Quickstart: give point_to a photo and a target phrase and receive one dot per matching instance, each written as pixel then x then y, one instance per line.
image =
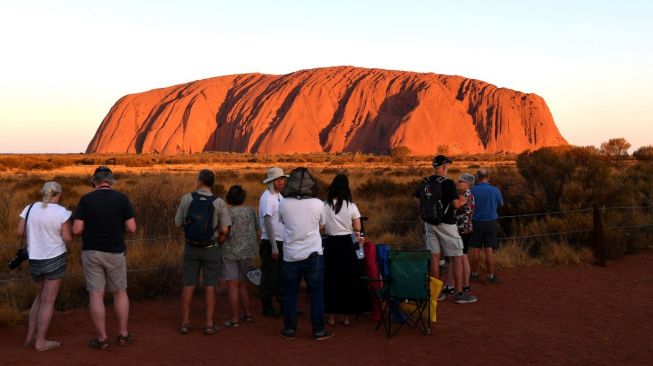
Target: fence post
pixel 598 245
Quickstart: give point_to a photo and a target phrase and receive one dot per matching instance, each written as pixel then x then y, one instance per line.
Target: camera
pixel 21 256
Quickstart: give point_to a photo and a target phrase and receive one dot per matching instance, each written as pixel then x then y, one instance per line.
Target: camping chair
pixel 407 282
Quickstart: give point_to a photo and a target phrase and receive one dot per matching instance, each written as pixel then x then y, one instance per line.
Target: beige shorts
pixel 443 238
pixel 104 270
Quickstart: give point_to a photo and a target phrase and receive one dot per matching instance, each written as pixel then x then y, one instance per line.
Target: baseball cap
pixel 440 160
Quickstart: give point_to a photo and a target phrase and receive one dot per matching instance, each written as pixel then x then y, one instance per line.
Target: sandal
pixel 230 323
pixel 185 328
pixel 124 340
pixel 98 344
pixel 211 329
pixel 247 318
pixel 49 345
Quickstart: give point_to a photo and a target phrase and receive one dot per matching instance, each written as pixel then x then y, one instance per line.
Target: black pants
pixel 270 274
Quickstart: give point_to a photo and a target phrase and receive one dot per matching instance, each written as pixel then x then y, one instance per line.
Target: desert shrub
pixel 616 149
pixel 400 154
pixel 644 153
pixel 384 187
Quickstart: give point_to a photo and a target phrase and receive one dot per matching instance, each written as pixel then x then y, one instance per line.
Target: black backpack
pixel 198 227
pixel 430 198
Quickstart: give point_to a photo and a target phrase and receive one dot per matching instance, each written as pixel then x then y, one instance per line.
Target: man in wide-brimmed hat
pixel 271 246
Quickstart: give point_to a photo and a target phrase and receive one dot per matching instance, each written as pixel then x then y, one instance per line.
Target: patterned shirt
pixel 465 213
pixel 241 241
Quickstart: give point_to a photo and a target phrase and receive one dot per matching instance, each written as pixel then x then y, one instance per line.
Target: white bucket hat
pixel 274 173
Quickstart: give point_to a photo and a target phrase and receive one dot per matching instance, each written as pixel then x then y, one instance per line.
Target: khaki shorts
pixel 443 238
pixel 104 270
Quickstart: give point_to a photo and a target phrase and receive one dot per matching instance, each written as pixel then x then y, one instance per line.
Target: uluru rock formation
pixel 335 109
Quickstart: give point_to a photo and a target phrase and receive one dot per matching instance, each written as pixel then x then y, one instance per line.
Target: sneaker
pixel 467 289
pixel 465 298
pixel 324 335
pixel 473 276
pixel 288 334
pixel 442 296
pixel 492 279
pixel 449 290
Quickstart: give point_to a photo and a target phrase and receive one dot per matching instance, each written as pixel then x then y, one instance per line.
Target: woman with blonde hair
pixel 46 228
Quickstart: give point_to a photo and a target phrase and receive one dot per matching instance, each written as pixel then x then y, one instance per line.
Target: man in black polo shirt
pixel 102 217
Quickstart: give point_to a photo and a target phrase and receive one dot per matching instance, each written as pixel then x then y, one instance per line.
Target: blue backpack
pixel 198 226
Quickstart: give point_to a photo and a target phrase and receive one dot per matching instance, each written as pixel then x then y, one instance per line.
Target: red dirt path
pixel 538 316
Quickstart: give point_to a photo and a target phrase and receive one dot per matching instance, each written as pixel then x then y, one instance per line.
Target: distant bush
pixel 400 154
pixel 644 153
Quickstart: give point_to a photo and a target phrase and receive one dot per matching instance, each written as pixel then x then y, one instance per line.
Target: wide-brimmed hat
pixel 274 173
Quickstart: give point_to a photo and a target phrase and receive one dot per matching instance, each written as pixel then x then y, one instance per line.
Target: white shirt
pixel 340 224
pixel 301 227
pixel 43 227
pixel 269 206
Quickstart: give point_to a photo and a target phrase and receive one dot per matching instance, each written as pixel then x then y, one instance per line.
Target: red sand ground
pixel 548 316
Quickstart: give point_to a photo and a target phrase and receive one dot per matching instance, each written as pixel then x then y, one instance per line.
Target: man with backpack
pixel 438 199
pixel 205 220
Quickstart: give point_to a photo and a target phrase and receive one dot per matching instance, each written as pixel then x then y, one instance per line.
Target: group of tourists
pixel 459 217
pixel 302 238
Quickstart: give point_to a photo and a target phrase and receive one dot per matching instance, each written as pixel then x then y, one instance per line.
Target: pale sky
pixel 63 64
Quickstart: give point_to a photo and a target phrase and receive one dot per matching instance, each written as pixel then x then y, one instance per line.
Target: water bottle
pixel 360 240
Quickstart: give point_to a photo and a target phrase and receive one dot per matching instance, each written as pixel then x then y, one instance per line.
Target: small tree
pixel 400 154
pixel 443 149
pixel 616 149
pixel 644 153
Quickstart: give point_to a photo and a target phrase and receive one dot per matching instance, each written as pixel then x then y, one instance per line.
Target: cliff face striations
pixel 331 109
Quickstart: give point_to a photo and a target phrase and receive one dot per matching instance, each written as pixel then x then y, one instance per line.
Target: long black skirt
pixel 341 276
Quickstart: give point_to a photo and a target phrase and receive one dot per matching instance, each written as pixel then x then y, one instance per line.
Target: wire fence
pixel 507 238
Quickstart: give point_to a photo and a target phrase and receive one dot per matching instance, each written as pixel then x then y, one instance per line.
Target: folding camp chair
pixel 406 282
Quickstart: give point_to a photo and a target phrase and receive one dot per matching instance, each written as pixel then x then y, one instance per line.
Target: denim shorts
pixel 49 269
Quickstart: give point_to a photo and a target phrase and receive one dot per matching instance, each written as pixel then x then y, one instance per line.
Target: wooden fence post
pixel 598 245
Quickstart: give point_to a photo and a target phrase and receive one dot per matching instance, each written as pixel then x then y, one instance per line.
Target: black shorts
pixel 467 238
pixel 484 234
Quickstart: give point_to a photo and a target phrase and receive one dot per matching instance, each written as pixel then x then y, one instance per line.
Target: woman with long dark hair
pixel 341 273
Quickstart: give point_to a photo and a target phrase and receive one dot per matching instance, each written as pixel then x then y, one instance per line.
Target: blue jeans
pixel 312 270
